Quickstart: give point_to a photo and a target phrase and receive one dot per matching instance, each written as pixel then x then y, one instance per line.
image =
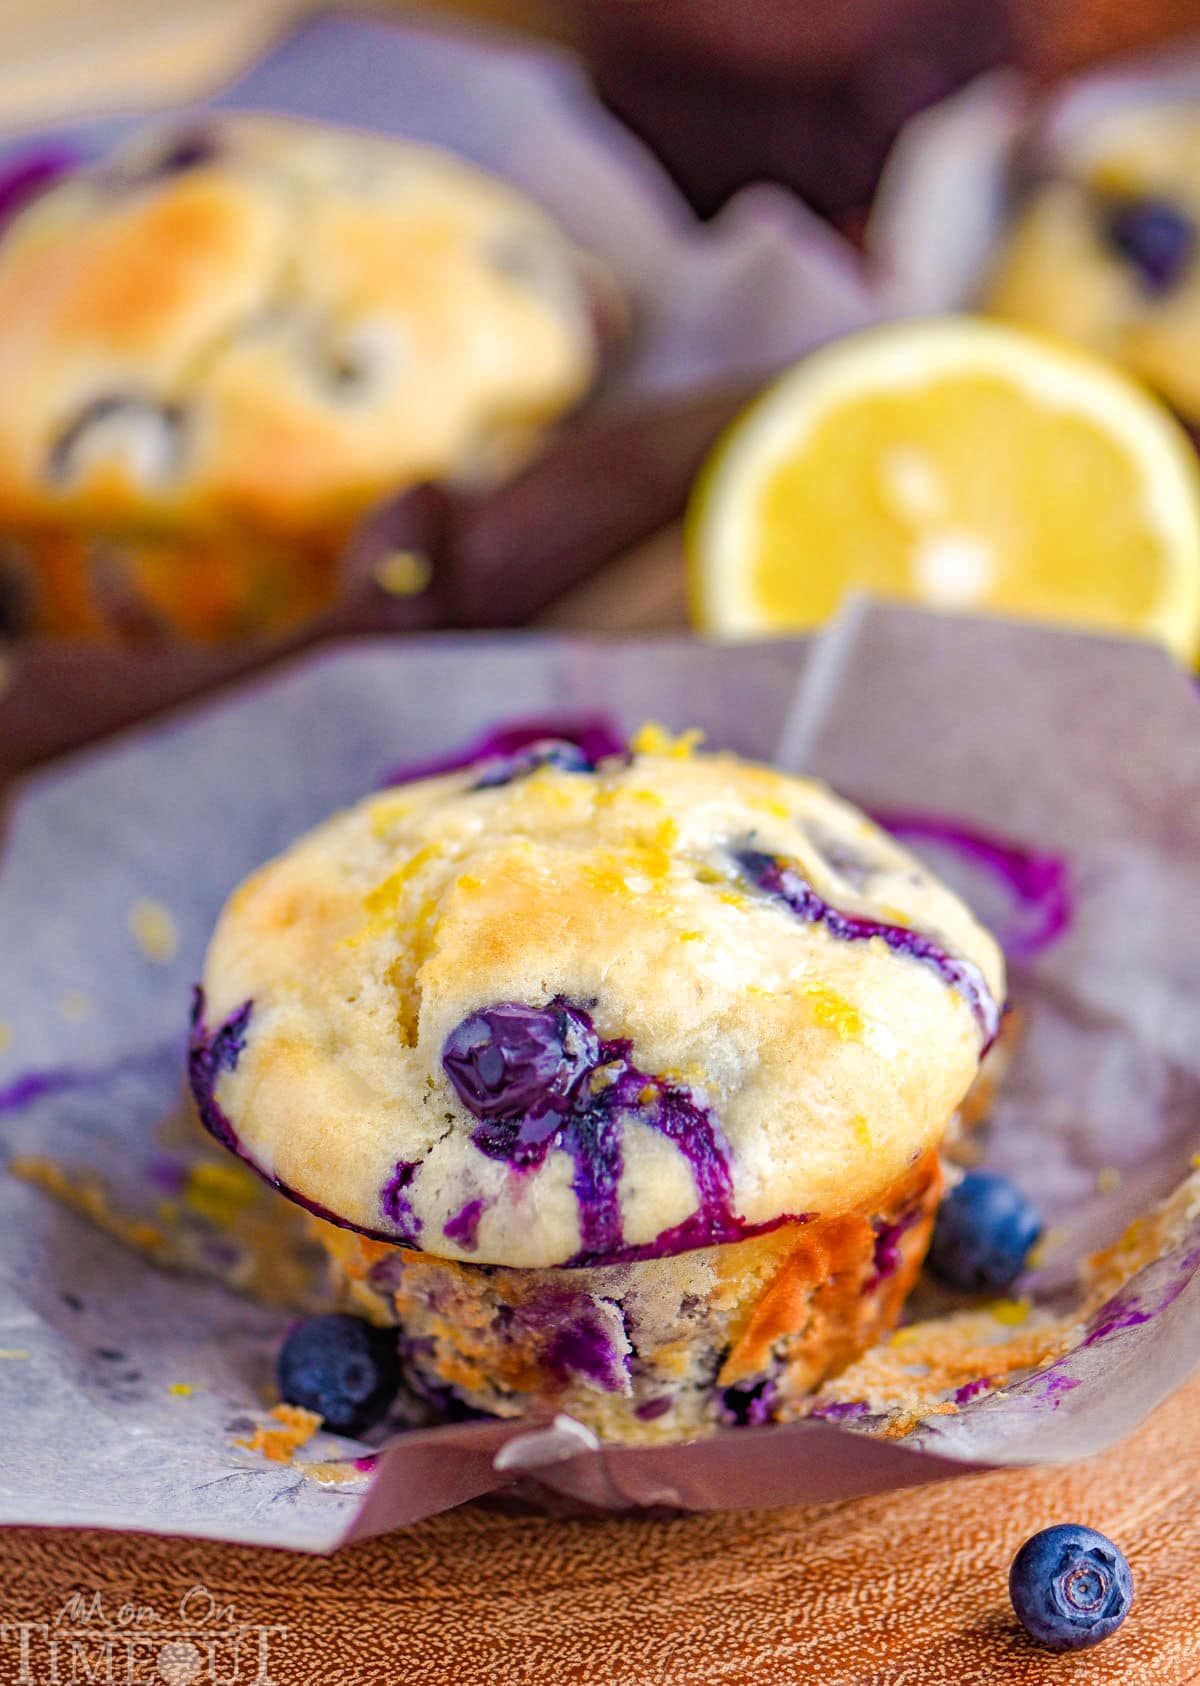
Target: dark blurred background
pixel 734 91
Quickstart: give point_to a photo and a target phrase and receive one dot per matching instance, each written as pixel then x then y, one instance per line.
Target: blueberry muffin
pixel 1104 252
pixel 617 1086
pixel 217 347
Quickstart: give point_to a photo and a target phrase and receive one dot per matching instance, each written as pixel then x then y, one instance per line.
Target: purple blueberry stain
pixel 555 753
pixel 463 1227
pixel 1050 1389
pixel 394 1201
pixel 1138 1303
pixel 1037 881
pixel 782 882
pixel 168 1176
pixel 887 1255
pixel 701 1229
pixel 186 151
pixel 584 1348
pixel 209 1054
pixel 594 736
pixel 26 178
pixel 539 1078
pixel 36 1085
pixel 971 1390
pixel 651 1409
pixel 840 1410
pixel 748 1406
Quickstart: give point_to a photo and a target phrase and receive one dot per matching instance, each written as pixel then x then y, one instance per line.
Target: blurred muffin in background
pixel 1105 251
pixel 219 346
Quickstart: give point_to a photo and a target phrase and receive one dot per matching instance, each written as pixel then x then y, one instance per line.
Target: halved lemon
pixel 956 463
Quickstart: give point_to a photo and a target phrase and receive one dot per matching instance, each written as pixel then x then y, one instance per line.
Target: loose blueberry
pixel 550 752
pixel 983 1234
pixel 342 1367
pixel 513 1059
pixel 1070 1587
pixel 1153 235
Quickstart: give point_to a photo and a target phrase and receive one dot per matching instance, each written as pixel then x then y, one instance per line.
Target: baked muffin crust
pixel 546 1013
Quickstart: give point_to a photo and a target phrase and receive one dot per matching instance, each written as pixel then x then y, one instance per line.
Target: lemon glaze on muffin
pixel 631 1075
pixel 228 341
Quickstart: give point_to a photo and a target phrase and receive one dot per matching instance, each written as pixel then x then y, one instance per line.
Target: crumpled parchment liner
pixel 1082 745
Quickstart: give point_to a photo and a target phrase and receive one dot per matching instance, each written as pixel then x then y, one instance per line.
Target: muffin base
pixel 660 1349
pixel 133 590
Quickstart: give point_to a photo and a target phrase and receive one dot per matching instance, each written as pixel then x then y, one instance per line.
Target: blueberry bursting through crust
pixel 538 1078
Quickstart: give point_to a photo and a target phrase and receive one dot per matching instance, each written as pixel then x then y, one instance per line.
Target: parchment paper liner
pixel 1082 745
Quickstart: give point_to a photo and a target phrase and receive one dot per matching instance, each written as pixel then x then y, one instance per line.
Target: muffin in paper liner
pixel 1102 251
pixel 967 729
pixel 659 1349
pixel 625 1076
pixel 234 335
pixel 1071 211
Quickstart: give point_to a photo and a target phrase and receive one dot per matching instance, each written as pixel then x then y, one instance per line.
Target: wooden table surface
pixel 907 1591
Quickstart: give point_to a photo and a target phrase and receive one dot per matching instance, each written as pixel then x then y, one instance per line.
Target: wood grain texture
pixel 907 1591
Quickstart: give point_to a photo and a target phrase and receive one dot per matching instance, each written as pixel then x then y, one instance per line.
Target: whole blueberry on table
pixel 1070 1587
pixel 343 1368
pixel 984 1231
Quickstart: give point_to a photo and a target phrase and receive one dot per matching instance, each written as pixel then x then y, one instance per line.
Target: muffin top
pixel 553 1011
pixel 263 324
pixel 1105 251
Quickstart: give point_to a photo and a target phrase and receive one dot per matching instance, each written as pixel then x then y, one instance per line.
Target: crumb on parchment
pixel 89 1195
pixel 293 1427
pixel 153 930
pixel 974 1351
